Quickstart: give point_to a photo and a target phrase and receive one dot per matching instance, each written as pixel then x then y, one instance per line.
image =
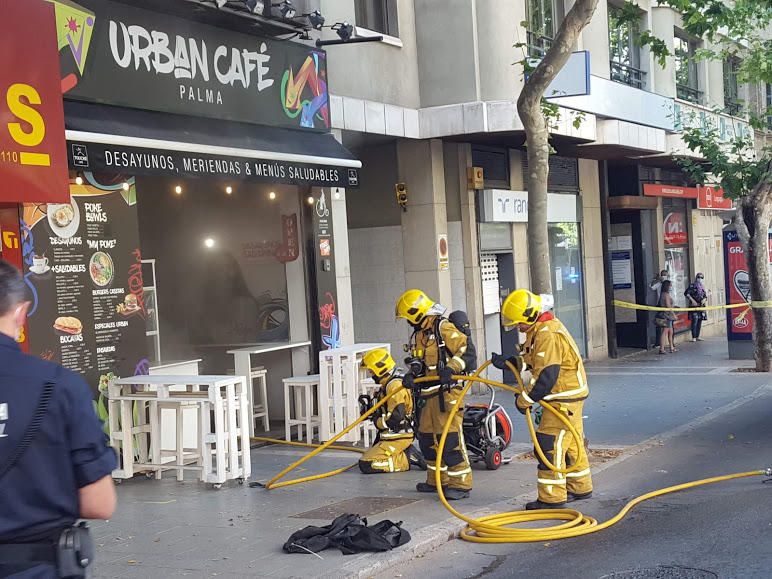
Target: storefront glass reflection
pixel 677 253
pixel 220 257
pixel 566 265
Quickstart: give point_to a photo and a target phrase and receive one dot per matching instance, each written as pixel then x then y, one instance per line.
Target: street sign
pixel 712 198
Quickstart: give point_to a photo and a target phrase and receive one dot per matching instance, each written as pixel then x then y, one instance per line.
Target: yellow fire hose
pixel 498 528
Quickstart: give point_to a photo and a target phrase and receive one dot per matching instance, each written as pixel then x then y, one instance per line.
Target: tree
pixel 742 29
pixel 531 109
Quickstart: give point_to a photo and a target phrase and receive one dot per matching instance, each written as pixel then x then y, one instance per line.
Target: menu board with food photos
pixel 82 266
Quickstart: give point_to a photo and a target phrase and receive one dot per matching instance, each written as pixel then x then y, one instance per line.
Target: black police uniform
pixel 39 496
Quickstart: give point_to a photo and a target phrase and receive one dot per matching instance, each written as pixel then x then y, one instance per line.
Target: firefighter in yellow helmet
pixel 558 377
pixel 437 348
pixel 393 449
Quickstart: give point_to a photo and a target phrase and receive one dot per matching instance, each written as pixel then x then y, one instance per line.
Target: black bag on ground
pixel 350 534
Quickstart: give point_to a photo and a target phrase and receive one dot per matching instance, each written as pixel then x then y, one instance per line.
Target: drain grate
pixel 362 506
pixel 663 572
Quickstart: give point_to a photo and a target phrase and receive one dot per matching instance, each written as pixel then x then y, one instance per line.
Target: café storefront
pixel 201 175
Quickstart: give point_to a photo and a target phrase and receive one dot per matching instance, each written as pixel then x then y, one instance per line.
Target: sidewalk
pixel 170 529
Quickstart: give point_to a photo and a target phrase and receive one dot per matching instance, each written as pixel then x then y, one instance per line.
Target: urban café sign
pixel 707 197
pixel 115 54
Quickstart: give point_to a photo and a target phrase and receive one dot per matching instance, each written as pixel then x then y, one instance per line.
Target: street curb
pixel 430 538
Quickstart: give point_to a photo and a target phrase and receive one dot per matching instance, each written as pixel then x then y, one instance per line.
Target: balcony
pixel 688 93
pixel 733 107
pixel 537 45
pixel 628 75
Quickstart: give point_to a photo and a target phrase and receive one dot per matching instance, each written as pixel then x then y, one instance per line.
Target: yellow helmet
pixel 379 362
pixel 413 305
pixel 520 307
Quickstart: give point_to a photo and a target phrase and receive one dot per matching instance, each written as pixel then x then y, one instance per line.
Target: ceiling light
pixel 79 180
pixel 229 189
pixel 316 20
pixel 272 196
pixel 310 200
pixel 286 9
pixel 344 30
pixel 178 190
pixel 255 6
pixel 126 186
pixel 209 243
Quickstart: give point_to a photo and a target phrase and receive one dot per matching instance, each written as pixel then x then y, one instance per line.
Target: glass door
pixel 567 274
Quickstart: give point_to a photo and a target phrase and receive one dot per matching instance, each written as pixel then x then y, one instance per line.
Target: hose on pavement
pixel 499 528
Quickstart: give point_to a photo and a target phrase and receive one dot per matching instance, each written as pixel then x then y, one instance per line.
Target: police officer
pixel 55 464
pixel 440 348
pixel 558 377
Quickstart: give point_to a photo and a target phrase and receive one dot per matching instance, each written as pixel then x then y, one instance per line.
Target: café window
pixel 625 55
pixel 378 16
pixel 732 103
pixel 220 253
pixel 687 81
pixel 543 18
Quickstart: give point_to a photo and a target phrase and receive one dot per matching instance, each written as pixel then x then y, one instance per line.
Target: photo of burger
pixel 129 306
pixel 68 325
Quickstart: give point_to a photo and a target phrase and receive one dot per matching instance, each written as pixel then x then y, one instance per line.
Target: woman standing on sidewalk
pixel 697 297
pixel 665 319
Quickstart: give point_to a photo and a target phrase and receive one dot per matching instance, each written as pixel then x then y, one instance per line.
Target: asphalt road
pixel 722 530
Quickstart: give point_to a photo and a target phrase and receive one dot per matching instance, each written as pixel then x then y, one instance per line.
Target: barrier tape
pixel 751 304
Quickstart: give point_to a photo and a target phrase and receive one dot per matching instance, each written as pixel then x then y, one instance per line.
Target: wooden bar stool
pixel 303 390
pixel 260 396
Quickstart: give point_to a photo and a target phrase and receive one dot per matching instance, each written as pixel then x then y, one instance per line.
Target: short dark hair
pixel 12 288
pixel 666 285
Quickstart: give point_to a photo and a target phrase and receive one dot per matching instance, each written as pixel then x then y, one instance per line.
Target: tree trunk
pixel 537 138
pixel 752 220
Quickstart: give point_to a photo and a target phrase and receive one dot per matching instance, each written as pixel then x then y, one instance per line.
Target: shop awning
pixel 118 140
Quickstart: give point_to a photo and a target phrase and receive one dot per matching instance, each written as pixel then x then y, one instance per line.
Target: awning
pixel 118 140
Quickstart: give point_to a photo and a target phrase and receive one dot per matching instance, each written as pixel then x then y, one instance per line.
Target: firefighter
pixel 558 377
pixel 438 350
pixel 393 449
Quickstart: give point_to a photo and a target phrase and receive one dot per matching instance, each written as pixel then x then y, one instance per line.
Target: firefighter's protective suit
pixel 558 377
pixel 394 422
pixel 434 335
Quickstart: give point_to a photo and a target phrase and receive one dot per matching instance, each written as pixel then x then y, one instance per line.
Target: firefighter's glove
pixel 408 381
pixel 521 404
pixel 500 362
pixel 446 376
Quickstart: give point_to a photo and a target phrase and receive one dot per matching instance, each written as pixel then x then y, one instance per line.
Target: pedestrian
pixel 393 450
pixel 438 349
pixel 655 285
pixel 698 298
pixel 666 319
pixel 557 377
pixel 55 463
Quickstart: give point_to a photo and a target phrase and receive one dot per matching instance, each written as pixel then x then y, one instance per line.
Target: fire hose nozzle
pixel 768 471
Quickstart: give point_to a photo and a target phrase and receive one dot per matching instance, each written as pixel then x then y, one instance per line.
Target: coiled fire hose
pixel 498 528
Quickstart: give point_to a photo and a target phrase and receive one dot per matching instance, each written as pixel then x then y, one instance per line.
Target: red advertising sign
pixel 656 190
pixel 675 228
pixel 738 288
pixel 33 154
pixel 711 198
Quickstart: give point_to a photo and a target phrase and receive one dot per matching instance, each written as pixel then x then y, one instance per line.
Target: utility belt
pixel 441 391
pixel 71 553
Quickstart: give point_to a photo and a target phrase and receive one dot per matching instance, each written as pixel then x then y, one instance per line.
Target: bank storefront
pixel 198 219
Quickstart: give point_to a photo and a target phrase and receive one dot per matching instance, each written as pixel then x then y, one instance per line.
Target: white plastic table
pixel 228 442
pixel 242 359
pixel 340 385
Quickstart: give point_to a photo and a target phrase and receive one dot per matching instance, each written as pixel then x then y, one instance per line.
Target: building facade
pixel 437 96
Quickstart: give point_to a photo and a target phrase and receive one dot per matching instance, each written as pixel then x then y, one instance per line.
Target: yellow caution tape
pixel 752 304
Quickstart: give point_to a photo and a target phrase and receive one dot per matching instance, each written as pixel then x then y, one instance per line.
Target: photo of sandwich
pixel 64 218
pixel 68 325
pixel 129 305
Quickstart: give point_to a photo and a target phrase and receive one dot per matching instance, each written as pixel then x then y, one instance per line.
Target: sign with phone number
pixel 33 159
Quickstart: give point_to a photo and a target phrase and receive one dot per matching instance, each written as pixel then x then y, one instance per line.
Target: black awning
pixel 112 139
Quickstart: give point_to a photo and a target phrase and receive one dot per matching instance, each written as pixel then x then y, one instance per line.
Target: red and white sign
pixel 711 198
pixel 675 229
pixel 656 190
pixel 33 154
